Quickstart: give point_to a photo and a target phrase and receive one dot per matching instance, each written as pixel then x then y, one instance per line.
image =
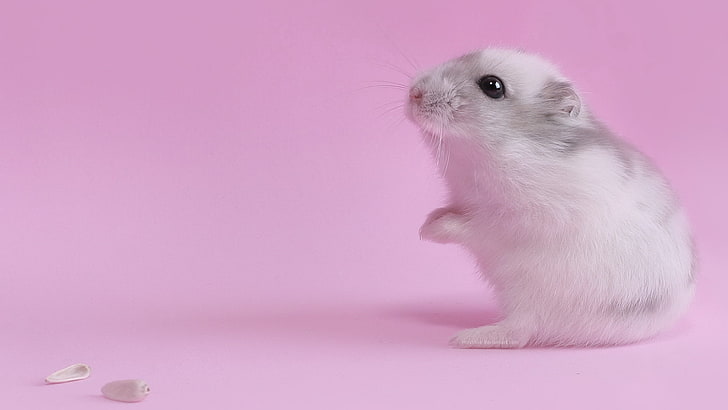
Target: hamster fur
pixel 579 234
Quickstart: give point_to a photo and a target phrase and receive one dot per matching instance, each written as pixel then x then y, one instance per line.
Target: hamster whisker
pixel 397 69
pixel 447 152
pixel 390 103
pixel 383 86
pixel 386 82
pixel 410 61
pixel 366 87
pixel 439 144
pixel 391 110
pixel 391 41
pixel 387 85
pixel 393 122
pixel 398 122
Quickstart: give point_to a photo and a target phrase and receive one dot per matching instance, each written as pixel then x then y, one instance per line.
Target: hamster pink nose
pixel 415 94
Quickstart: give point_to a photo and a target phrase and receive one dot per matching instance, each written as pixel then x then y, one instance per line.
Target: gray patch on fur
pixel 567 139
pixel 583 138
pixel 555 120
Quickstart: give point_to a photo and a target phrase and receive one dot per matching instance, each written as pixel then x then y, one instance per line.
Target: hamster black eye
pixel 492 86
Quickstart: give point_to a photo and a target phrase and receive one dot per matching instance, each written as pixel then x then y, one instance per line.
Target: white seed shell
pixel 71 373
pixel 126 390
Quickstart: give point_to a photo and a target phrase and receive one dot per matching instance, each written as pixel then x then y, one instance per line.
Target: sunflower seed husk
pixel 126 390
pixel 71 373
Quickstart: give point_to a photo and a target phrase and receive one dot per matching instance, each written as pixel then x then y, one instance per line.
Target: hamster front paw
pixel 444 225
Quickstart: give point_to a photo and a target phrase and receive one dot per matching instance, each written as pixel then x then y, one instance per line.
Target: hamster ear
pixel 561 99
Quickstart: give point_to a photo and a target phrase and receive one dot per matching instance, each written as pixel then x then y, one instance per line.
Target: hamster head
pixel 493 95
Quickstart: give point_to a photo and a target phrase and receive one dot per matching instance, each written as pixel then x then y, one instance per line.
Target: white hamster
pixel 579 234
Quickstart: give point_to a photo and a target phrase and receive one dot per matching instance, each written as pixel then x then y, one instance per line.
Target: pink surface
pixel 211 197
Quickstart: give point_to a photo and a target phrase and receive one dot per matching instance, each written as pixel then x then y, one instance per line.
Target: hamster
pixel 581 237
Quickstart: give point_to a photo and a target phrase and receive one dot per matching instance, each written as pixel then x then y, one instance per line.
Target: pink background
pixel 212 197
